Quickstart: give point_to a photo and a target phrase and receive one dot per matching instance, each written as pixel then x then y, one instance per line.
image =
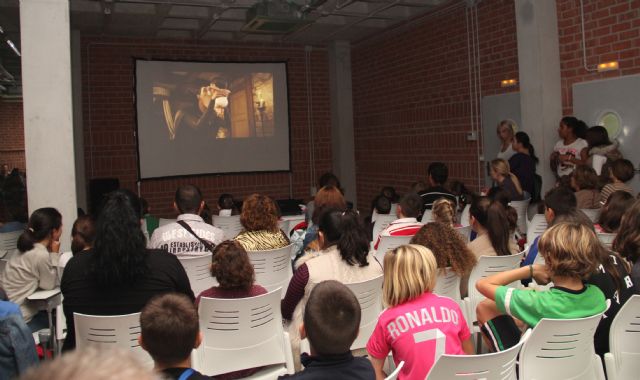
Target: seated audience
pixel 584 182
pixel 462 194
pixel 449 249
pixel 331 322
pixel 444 211
pixel 185 236
pixel 409 279
pixel 599 144
pixel 327 198
pixel 226 205
pixel 570 258
pixel 151 222
pixel 259 217
pixel 381 205
pixel 7 307
pixel 627 241
pixel 501 174
pixel 83 234
pixel 612 211
pixel 344 257
pixel 16 217
pixel 417 187
pixel 326 180
pixel 18 351
pixel 169 330
pixel 406 225
pixel 390 193
pixel 501 195
pixel 523 162
pixel 119 275
pixel 36 265
pixel 490 222
pixel 620 173
pixel 437 175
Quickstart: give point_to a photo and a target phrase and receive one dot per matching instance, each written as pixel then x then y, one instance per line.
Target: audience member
pixel 118 276
pixel 185 236
pixel 259 217
pixel 330 324
pixel 506 129
pixel 169 330
pixel 444 211
pixel 584 182
pixel 344 257
pixel 620 172
pixel 463 194
pixel 418 187
pixel 523 163
pixel 612 211
pixel 380 205
pixel 83 234
pixel 325 180
pixel 598 143
pixel 570 258
pixel 151 222
pixel 627 241
pixel 437 175
pixel 409 279
pixel 406 225
pixel 226 205
pixel 18 351
pixel 17 217
pixel 568 151
pixel 490 222
pixel 501 174
pixel 449 249
pixel 36 265
pixel 327 198
pixel 502 196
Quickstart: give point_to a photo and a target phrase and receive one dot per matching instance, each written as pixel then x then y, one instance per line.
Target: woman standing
pixel 505 134
pixel 523 162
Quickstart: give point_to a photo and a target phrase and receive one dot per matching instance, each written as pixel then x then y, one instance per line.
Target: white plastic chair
pixel 537 226
pixel 427 217
pixel 369 294
pixel 273 268
pixel 9 244
pixel 198 271
pixel 494 366
pixel 562 349
pixel 164 221
pixel 464 217
pixel 230 225
pixel 448 285
pixel 244 333
pixel 521 208
pixel 382 222
pixel 465 231
pixel 623 360
pixel 394 374
pixel 110 331
pixel 606 238
pixel 388 243
pixel 592 213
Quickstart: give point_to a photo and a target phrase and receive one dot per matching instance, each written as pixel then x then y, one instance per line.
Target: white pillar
pixel 78 131
pixel 540 86
pixel 48 119
pixel 342 140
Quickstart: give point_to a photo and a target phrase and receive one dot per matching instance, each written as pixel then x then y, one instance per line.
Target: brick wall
pixel 12 134
pixel 109 116
pixel 612 31
pixel 411 95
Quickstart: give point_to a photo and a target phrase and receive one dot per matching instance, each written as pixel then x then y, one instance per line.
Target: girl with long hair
pixel 523 162
pixel 490 221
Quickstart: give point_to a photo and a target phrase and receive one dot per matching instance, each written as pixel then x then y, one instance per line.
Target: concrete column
pixel 342 140
pixel 48 118
pixel 78 131
pixel 540 87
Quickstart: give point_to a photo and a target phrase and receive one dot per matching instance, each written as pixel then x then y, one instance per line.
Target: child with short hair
pixel 620 172
pixel 417 324
pixel 570 258
pixel 169 330
pixel 331 323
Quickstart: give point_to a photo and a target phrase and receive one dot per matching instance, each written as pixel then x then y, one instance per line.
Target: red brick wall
pixel 612 31
pixel 109 116
pixel 411 96
pixel 12 134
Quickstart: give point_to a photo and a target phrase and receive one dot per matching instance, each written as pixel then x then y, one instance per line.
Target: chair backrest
pixel 9 244
pixel 624 340
pixel 230 225
pixel 394 374
pixel 494 366
pixel 241 333
pixel 606 238
pixel 369 294
pixel 388 243
pixel 427 217
pixel 465 231
pixel 198 271
pixel 592 213
pixel 464 217
pixel 272 268
pixel 110 331
pixel 382 222
pixel 561 349
pixel 537 226
pixel 448 284
pixel 521 208
pixel 164 221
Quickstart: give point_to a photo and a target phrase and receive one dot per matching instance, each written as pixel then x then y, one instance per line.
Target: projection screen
pixel 200 118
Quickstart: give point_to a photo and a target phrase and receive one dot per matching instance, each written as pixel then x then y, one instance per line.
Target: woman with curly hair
pixel 449 249
pixel 259 217
pixel 627 241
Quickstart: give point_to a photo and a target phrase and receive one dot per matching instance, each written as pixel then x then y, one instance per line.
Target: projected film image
pixel 214 105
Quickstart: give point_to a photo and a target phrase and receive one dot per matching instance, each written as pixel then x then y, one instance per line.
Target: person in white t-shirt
pixel 506 130
pixel 568 151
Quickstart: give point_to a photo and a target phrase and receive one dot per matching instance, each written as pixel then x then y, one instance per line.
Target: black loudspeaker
pixel 98 189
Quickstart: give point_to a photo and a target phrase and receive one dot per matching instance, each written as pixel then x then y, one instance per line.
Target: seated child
pixel 412 312
pixel 330 324
pixel 169 330
pixel 569 259
pixel 227 205
pixel 612 211
pixel 620 173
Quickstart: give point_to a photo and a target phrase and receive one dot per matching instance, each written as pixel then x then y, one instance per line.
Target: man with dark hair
pixel 185 236
pixel 169 330
pixel 407 223
pixel 437 175
pixel 331 322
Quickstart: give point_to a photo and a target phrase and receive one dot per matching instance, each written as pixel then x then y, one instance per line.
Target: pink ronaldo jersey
pixel 418 332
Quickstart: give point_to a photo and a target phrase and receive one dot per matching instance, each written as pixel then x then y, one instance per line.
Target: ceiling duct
pixel 275 17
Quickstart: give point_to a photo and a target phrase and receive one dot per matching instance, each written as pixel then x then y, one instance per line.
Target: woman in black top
pixel 119 275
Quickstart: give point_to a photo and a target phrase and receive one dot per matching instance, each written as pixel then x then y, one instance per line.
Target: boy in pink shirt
pixel 418 326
